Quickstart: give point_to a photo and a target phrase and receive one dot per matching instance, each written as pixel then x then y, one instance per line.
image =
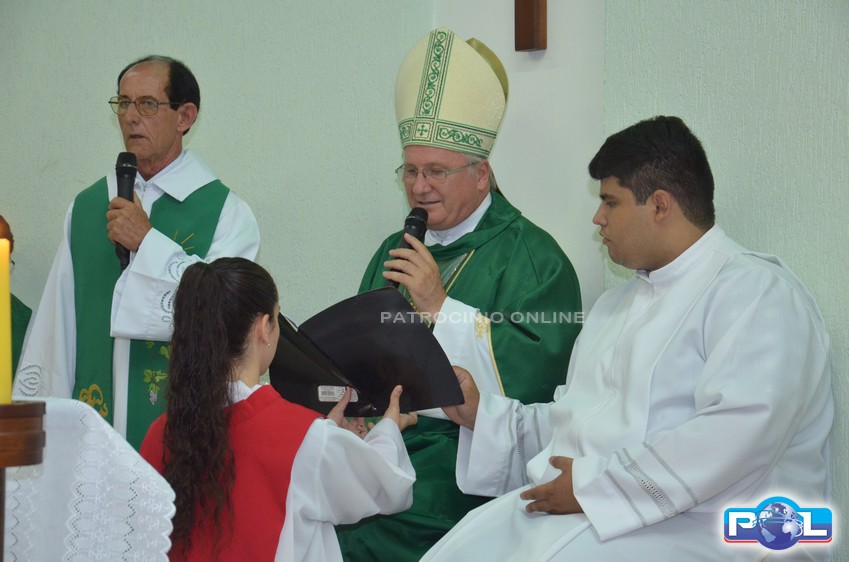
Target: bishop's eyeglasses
pixel 408 174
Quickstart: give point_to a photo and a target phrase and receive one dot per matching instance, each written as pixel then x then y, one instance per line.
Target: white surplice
pixel 142 299
pixel 703 385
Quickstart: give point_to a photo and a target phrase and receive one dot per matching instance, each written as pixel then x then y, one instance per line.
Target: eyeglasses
pixel 408 174
pixel 145 105
pixel 11 265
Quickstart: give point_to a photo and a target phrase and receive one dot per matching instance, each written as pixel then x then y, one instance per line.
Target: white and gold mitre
pixel 450 94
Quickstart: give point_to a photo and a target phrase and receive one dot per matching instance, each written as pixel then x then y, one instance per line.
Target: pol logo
pixel 777 523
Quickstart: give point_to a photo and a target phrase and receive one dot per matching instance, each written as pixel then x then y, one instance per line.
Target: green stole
pixel 506 265
pixel 96 270
pixel 21 315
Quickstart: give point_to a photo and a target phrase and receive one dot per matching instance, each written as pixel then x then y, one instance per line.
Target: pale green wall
pixel 764 85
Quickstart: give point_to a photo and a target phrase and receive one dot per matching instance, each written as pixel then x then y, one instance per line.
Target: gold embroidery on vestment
pixel 481 325
pixel 93 396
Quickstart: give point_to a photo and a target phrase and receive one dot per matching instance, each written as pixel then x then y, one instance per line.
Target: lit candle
pixel 5 326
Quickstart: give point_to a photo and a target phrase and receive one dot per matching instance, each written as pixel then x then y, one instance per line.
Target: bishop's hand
pixel 416 269
pixel 464 414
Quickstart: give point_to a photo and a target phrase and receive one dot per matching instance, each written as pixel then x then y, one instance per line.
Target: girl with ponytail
pixel 255 476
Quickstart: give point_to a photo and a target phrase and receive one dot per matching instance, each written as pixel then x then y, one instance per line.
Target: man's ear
pixel 662 202
pixel 484 171
pixel 187 114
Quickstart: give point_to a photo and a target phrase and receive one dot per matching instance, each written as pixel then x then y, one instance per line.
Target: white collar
pixel 240 391
pixel 180 178
pixel 685 262
pixel 450 235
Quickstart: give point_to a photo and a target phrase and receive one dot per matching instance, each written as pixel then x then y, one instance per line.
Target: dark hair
pixel 660 153
pixel 182 86
pixel 214 308
pixel 4 228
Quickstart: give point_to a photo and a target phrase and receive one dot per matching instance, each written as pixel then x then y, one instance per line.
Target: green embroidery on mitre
pixel 451 136
pixel 433 73
pixel 450 94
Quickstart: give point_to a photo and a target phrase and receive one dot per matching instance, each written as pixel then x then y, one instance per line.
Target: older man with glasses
pixel 503 297
pixel 100 333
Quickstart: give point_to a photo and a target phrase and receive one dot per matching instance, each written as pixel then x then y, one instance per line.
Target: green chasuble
pixel 21 314
pixel 516 275
pixel 192 223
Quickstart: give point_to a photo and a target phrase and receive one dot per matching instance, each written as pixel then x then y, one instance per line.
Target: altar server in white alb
pixel 702 383
pixel 100 333
pixel 258 478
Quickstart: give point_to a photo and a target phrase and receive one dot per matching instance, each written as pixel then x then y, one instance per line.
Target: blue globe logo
pixel 779 526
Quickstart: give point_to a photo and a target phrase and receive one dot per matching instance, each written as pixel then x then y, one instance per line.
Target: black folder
pixel 370 342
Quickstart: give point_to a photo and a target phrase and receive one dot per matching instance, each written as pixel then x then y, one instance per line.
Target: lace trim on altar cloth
pixel 92 499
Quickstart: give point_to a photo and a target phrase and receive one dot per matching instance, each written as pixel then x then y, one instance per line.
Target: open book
pixel 370 342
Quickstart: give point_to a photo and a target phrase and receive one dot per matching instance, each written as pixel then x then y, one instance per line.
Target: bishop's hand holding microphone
pixel 415 225
pixel 412 265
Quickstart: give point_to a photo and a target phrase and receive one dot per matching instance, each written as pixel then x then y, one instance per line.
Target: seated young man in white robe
pixel 700 385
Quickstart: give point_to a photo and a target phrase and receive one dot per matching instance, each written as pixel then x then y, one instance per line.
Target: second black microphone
pixel 416 225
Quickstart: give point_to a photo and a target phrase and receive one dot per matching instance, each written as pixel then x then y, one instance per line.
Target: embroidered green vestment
pixel 517 275
pixel 96 270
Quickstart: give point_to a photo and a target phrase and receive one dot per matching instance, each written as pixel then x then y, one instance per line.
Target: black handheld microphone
pixel 415 224
pixel 125 172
